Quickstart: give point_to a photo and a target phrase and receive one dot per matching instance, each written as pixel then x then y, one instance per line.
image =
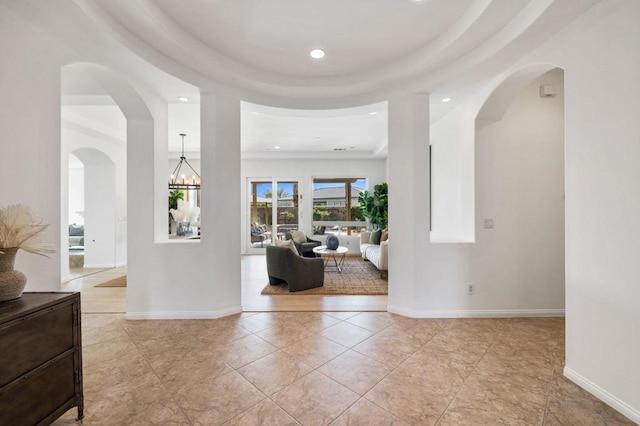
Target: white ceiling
pixel 257 50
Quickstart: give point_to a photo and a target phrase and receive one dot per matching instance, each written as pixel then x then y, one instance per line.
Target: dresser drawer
pixel 27 342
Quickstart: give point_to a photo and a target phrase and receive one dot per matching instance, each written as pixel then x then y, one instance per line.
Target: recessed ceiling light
pixel 445 100
pixel 317 53
pixel 373 113
pixel 183 99
pixel 276 147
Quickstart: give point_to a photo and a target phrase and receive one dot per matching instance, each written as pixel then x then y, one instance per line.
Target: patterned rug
pixel 358 277
pixel 116 282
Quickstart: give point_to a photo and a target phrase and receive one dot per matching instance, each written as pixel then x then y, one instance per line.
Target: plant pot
pixel 12 282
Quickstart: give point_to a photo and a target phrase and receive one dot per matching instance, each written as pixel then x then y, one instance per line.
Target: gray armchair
pixel 300 273
pixel 304 249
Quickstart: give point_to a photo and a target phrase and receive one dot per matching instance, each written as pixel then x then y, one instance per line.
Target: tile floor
pixel 338 368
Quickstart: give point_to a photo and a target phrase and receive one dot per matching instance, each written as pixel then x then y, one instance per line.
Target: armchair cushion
pixel 289 244
pixel 304 249
pixel 298 272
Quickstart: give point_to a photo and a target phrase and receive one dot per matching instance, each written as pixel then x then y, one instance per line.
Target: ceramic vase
pixel 12 282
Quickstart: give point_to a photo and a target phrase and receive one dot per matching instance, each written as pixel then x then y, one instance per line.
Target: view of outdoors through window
pixel 335 206
pixel 273 215
pixel 275 208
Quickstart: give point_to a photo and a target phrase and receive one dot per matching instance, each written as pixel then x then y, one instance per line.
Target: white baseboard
pixel 496 313
pixel 119 264
pixel 183 314
pixel 632 413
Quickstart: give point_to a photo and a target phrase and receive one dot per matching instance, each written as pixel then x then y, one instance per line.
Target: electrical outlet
pixel 471 288
pixel 488 223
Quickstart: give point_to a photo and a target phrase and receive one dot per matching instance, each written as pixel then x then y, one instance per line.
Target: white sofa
pixel 377 254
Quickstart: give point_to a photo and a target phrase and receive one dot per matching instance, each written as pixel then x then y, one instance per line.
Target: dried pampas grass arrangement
pixel 19 229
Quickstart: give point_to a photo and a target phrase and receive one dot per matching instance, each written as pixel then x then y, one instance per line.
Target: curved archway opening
pixel 98 210
pixel 519 190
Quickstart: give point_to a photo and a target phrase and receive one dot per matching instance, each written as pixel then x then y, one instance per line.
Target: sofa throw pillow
pixel 287 243
pixel 298 237
pixel 375 237
pixel 384 236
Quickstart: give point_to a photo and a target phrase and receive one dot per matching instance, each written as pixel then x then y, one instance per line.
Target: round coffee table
pixel 330 255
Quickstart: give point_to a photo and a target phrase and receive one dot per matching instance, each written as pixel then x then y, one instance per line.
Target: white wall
pixel 304 171
pixel 30 135
pixel 100 208
pixel 519 263
pixel 76 192
pixel 452 177
pixel 602 69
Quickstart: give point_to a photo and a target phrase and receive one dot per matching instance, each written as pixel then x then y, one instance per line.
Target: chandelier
pixel 178 180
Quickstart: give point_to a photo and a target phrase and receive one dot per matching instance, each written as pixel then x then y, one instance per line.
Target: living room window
pixel 335 206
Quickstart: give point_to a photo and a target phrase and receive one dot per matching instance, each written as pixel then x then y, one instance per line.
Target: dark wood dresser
pixel 40 358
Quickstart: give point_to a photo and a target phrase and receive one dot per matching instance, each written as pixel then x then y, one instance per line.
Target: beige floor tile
pixel 471 345
pixel 371 321
pixel 346 334
pixel 114 371
pixel 365 413
pixel 494 364
pixel 314 399
pixel 116 349
pixel 117 404
pixel 274 371
pixel 505 371
pixel 342 315
pixel 243 351
pixel 215 401
pixel 220 335
pixel 498 400
pixel 265 413
pixel 160 414
pixel 441 374
pixel 569 404
pixel 390 347
pixel 282 336
pixel 102 333
pixel 150 346
pixel 315 350
pixel 97 321
pixel 320 323
pixel 179 369
pixel 258 322
pixel 460 362
pixel 153 329
pixel 423 331
pixel 408 399
pixel 355 371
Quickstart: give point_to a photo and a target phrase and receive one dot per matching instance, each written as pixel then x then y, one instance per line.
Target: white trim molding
pixel 183 314
pixel 622 407
pixel 494 313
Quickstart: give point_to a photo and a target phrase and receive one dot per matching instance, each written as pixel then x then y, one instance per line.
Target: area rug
pixel 116 282
pixel 358 277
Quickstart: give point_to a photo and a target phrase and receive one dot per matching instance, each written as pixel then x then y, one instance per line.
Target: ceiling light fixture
pixel 373 113
pixel 317 53
pixel 180 181
pixel 183 99
pixel 276 147
pixel 445 100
